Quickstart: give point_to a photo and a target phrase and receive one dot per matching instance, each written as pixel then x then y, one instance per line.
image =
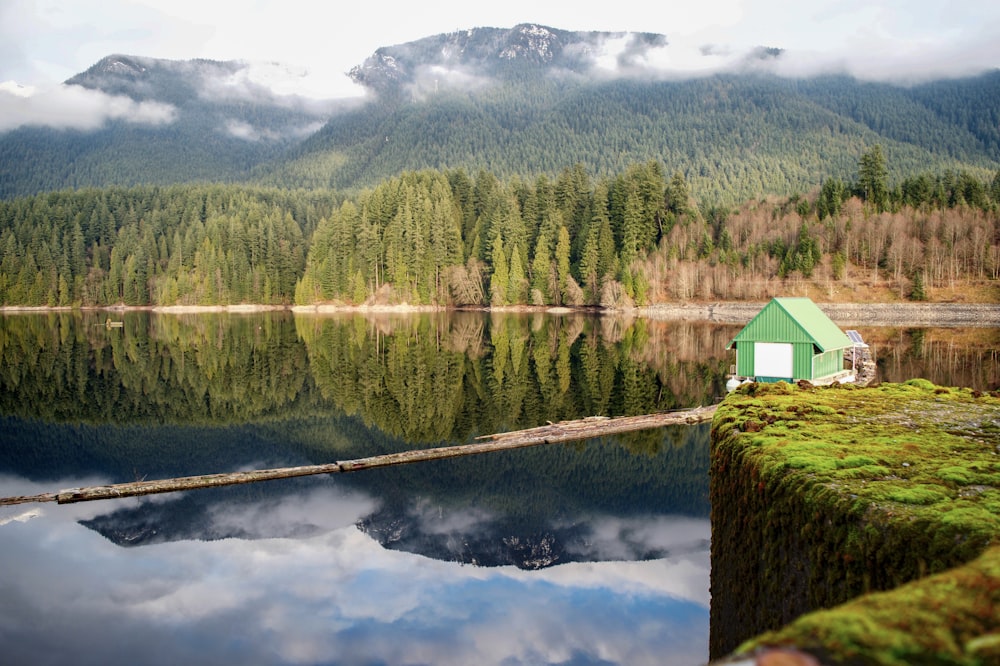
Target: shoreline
pixel 843 314
pixel 725 312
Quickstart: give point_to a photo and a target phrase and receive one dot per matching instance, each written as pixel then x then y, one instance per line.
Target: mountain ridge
pixel 489 49
pixel 523 101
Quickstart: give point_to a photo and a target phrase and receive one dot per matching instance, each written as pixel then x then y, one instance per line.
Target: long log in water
pixel 553 433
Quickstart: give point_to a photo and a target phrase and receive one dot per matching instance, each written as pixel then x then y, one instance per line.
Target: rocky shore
pixel 844 314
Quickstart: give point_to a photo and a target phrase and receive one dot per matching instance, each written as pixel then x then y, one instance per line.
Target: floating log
pixel 553 433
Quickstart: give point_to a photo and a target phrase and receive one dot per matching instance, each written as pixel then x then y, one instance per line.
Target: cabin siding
pixel 745 360
pixel 802 366
pixel 828 363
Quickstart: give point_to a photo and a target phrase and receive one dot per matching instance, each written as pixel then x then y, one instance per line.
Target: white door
pixel 772 359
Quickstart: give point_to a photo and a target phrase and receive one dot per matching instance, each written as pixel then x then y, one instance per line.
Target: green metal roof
pixel 793 320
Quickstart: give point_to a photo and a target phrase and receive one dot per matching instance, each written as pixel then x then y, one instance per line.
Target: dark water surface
pixel 593 553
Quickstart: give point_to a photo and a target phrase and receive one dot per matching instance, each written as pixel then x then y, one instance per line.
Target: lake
pixel 587 553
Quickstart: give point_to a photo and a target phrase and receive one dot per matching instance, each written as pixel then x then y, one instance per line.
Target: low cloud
pixel 433 78
pixel 896 60
pixel 248 132
pixel 640 56
pixel 637 56
pixel 74 107
pixel 309 90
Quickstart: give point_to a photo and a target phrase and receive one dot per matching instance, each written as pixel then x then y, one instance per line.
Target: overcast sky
pixel 44 42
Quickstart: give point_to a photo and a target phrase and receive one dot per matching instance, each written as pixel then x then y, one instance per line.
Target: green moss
pixel 855 461
pixel 864 472
pixel 921 384
pixel 905 442
pixel 948 618
pixel 832 493
pixel 809 463
pixel 958 475
pixel 983 518
pixel 921 494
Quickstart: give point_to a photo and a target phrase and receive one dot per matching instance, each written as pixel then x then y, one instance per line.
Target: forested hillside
pixel 449 238
pixel 733 137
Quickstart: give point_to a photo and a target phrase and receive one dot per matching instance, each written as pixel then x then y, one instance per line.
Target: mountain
pixel 535 100
pixel 211 121
pixel 523 101
pixel 461 58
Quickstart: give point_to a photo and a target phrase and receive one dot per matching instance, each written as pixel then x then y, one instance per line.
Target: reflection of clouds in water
pixel 603 537
pixel 320 509
pixel 614 538
pixel 434 519
pixel 22 517
pixel 684 577
pixel 70 595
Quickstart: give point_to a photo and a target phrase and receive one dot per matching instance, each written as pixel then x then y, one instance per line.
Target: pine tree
pixel 873 178
pixel 500 279
pixel 917 291
pixel 562 265
pixel 831 198
pixel 541 267
pixel 588 264
pixel 518 282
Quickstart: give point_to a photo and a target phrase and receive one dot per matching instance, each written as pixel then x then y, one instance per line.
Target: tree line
pixel 445 237
pixel 149 245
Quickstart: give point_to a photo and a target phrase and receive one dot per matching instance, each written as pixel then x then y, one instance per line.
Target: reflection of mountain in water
pixel 504 542
pixel 488 543
pixel 186 518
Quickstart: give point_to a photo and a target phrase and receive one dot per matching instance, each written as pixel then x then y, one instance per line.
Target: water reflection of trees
pixel 71 367
pixel 447 377
pixel 426 377
pixel 951 357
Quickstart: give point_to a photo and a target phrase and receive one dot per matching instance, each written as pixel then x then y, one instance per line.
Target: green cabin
pixel 791 339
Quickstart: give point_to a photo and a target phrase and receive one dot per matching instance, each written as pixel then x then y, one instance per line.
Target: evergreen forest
pixel 451 238
pixel 733 137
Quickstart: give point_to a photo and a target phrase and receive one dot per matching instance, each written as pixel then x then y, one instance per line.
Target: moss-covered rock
pixel 820 495
pixel 949 618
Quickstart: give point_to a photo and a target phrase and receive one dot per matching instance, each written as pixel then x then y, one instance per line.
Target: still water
pixel 592 553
